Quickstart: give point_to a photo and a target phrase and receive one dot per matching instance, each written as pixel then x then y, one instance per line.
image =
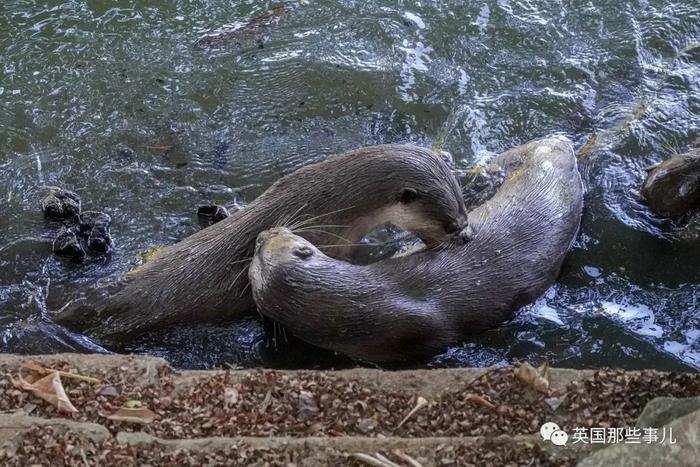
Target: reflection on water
pixel 114 100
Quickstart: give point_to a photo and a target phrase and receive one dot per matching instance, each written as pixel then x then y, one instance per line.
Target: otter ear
pixel 408 195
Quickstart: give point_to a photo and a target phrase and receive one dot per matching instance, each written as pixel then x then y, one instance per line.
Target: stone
pixel 684 452
pixel 661 411
pixel 99 239
pixel 211 214
pixel 90 219
pixel 124 151
pixel 67 244
pixel 61 205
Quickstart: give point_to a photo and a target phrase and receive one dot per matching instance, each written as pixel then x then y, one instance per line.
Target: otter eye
pixel 303 252
pixel 408 195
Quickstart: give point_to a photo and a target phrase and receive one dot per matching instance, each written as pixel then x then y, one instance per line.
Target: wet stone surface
pixel 211 214
pixel 61 205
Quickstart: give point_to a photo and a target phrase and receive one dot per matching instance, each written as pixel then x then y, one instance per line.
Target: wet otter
pixel 672 188
pixel 336 201
pixel 413 306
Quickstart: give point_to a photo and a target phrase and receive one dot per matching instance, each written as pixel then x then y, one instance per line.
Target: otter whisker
pixel 291 217
pixel 353 244
pixel 239 275
pixel 327 233
pixel 310 219
pixel 321 226
pixel 241 260
pixel 246 288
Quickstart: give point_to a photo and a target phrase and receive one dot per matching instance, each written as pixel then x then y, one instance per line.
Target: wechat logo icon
pixel 551 432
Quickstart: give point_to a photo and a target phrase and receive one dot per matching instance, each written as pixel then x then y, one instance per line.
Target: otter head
pixel 278 247
pixel 423 197
pixel 672 187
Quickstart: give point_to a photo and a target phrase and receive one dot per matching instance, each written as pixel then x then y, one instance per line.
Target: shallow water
pixel 113 99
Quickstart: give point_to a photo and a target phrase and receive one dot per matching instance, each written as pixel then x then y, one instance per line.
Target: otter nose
pixel 465 235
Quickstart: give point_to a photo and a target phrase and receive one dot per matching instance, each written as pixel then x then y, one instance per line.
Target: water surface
pixel 113 99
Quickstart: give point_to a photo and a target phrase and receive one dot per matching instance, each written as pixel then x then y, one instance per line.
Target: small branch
pixel 412 462
pixel 420 403
pixel 45 371
pixel 481 401
pixel 369 460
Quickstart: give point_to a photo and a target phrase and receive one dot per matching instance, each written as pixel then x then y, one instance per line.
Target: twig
pixel 65 374
pixel 420 403
pixel 407 458
pixel 481 401
pixel 483 375
pixel 369 460
pixel 385 460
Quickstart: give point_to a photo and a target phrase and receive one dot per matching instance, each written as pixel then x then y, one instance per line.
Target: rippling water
pixel 113 100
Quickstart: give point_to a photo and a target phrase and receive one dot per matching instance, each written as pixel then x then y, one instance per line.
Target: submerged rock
pixel 99 239
pixel 672 188
pixel 66 244
pixel 90 219
pixel 247 30
pixel 95 225
pixel 211 214
pixel 61 205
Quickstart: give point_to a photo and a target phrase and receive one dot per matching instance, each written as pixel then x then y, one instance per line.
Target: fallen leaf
pixel 142 415
pixel 48 388
pixel 133 404
pixel 230 396
pixel 109 391
pixel 306 405
pixel 536 378
pixel 554 402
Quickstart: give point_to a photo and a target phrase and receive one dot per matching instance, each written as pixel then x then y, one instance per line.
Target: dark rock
pixel 61 205
pixel 66 244
pixel 663 410
pixel 212 214
pixel 90 219
pixel 124 151
pixel 100 240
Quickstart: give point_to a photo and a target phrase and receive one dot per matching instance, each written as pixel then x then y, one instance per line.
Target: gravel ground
pixel 49 446
pixel 269 403
pixel 322 404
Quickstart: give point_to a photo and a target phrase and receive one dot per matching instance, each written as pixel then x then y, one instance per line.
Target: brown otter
pixel 412 306
pixel 336 202
pixel 672 188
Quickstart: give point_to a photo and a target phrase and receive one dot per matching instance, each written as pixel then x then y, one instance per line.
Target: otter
pixel 672 188
pixel 334 202
pixel 411 307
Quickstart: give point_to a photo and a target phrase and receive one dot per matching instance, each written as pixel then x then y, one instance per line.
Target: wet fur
pixel 203 277
pixel 672 188
pixel 414 306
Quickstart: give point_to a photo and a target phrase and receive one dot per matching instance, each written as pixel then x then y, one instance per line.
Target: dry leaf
pixel 230 396
pixel 536 378
pixel 48 388
pixel 141 415
pixel 109 391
